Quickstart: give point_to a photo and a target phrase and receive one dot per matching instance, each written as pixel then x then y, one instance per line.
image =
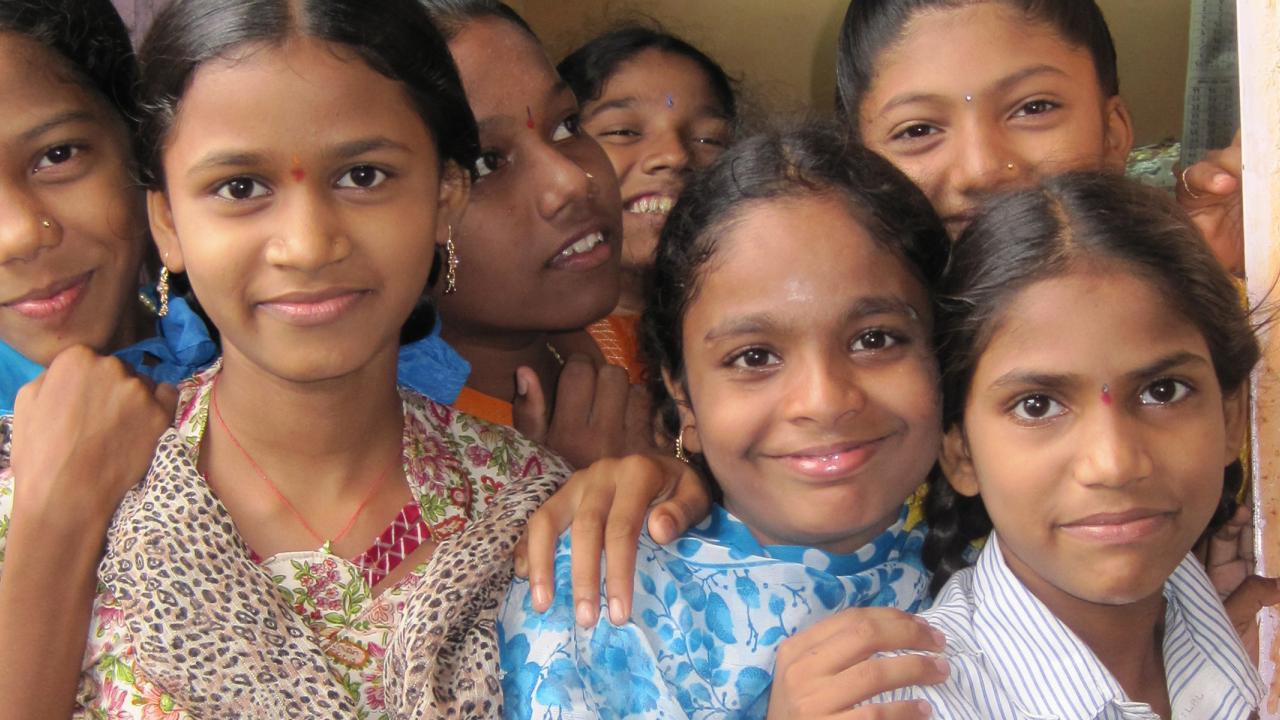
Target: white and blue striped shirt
pixel 1012 658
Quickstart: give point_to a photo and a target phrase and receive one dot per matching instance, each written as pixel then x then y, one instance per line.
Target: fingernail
pixel 666 526
pixel 924 709
pixel 585 613
pixel 943 666
pixel 522 385
pixel 616 614
pixel 938 637
pixel 541 598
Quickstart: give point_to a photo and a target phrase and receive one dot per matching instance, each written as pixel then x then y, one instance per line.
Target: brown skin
pixel 251 235
pixel 540 189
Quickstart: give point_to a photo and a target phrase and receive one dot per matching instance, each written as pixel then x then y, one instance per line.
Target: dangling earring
pixel 162 293
pixel 680 453
pixel 451 265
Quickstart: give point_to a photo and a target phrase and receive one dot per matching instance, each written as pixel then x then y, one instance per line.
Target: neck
pixel 1127 638
pixel 631 301
pixel 313 436
pixel 495 357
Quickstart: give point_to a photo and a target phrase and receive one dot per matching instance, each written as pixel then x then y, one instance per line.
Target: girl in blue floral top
pixel 792 326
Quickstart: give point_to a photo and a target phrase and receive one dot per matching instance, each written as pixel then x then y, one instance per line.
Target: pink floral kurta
pixel 454 465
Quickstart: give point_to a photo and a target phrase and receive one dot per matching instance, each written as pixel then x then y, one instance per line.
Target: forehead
pixel 807 257
pixel 1118 321
pixel 35 81
pixel 502 66
pixel 282 90
pixel 654 74
pixel 962 50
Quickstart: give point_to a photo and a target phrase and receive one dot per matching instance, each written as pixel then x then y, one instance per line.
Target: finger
pixel 638 420
pixel 1207 179
pixel 901 710
pixel 854 635
pixel 541 537
pixel 575 392
pixel 529 407
pixel 1224 545
pixel 631 503
pixel 1253 594
pixel 609 405
pixel 688 505
pixel 866 680
pixel 587 540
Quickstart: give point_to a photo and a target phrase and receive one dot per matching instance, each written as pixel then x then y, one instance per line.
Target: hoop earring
pixel 680 453
pixel 451 265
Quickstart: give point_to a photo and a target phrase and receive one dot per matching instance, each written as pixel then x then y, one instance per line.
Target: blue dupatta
pixel 709 612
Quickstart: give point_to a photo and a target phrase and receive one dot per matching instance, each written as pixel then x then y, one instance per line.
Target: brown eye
pixel 755 358
pixel 362 176
pixel 1038 407
pixel 1164 392
pixel 241 188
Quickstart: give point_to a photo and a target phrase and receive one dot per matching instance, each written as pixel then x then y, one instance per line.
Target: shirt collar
pixel 1026 644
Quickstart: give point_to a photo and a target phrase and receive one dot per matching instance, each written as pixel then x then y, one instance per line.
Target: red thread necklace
pixel 377 484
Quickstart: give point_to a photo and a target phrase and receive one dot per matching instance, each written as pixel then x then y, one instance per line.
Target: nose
pixel 985 163
pixel 824 390
pixel 563 183
pixel 311 234
pixel 1111 452
pixel 665 151
pixel 25 228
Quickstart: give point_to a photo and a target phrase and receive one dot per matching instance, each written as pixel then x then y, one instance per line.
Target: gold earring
pixel 162 292
pixel 680 453
pixel 451 264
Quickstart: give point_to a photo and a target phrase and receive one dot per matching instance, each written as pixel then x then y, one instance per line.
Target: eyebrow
pixel 66 118
pixel 344 151
pixel 764 321
pixel 998 86
pixel 1058 381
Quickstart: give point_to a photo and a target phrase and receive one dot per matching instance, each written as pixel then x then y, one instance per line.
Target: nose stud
pixel 1011 167
pixel 46 223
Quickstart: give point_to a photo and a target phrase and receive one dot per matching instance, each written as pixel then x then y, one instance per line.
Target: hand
pixel 1230 564
pixel 605 504
pixel 598 414
pixel 84 433
pixel 1210 193
pixel 828 669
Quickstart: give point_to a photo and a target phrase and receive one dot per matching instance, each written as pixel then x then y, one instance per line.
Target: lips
pixel 831 462
pixel 51 301
pixel 311 308
pixel 1119 527
pixel 585 251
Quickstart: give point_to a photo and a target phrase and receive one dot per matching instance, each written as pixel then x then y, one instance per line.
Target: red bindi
pixel 1106 394
pixel 529 123
pixel 297 172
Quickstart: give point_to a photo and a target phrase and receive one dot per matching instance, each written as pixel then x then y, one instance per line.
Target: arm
pixel 606 506
pixel 70 470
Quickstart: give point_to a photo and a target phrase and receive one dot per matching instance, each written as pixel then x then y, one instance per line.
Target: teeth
pixel 652 204
pixel 586 244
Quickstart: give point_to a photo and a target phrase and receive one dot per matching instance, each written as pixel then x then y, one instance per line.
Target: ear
pixel 163 231
pixel 688 421
pixel 1118 133
pixel 455 188
pixel 1235 410
pixel 956 463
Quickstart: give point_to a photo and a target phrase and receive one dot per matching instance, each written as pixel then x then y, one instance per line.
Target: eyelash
pixel 892 339
pixel 492 160
pixel 76 150
pixel 381 176
pixel 1182 390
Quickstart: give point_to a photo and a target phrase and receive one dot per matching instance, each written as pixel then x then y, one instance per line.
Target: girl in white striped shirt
pixel 1095 363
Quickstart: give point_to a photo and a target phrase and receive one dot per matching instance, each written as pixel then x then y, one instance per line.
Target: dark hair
pixel 588 69
pixel 91 37
pixel 396 38
pixel 872 26
pixel 451 16
pixel 1068 222
pixel 811 160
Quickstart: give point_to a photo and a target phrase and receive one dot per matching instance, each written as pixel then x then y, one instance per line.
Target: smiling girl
pixel 1092 446
pixel 263 567
pixel 792 325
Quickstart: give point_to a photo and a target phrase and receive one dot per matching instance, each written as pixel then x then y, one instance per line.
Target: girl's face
pixel 303 198
pixel 812 386
pixel 976 99
pixel 1097 437
pixel 657 119
pixel 72 230
pixel 539 246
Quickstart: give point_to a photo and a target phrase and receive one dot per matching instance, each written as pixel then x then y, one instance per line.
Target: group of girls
pixel 373 204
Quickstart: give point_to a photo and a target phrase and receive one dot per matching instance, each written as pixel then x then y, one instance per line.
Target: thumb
pixel 688 504
pixel 1254 593
pixel 529 408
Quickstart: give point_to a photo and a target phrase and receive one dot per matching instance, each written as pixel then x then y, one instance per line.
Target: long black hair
pixel 872 26
pixel 396 38
pixel 1048 231
pixel 813 159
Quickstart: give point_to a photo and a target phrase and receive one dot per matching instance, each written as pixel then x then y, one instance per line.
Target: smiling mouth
pixel 831 462
pixel 652 205
pixel 51 301
pixel 315 309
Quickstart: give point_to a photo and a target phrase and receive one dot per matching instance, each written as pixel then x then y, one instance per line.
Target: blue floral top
pixel 709 613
